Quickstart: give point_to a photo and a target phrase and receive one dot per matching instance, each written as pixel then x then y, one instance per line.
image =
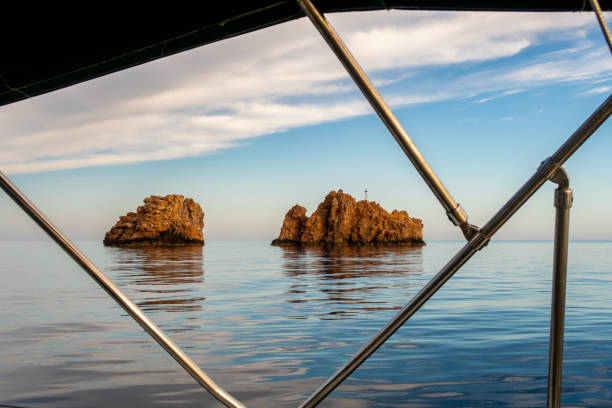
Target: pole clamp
pixel 480 240
pixel 564 198
pixel 553 171
pixel 459 218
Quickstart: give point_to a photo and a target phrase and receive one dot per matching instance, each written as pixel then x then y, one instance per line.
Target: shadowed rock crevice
pixel 162 221
pixel 341 220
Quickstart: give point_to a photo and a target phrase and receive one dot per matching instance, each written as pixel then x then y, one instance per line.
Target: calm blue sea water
pixel 270 324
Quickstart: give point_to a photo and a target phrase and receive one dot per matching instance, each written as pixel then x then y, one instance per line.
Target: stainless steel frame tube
pixel 563 203
pixel 134 311
pixel 602 22
pixel 454 212
pixel 543 173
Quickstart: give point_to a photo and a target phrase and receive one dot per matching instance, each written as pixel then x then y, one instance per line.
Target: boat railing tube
pixel 113 291
pixel 454 211
pixel 550 169
pixel 544 172
pixel 563 203
pixel 602 22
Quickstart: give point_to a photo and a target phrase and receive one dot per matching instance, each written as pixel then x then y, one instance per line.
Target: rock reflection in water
pixel 163 276
pixel 350 280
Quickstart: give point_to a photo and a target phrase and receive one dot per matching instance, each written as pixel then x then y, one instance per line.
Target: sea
pixel 270 324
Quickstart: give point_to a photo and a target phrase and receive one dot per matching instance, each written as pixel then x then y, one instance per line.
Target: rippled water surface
pixel 270 324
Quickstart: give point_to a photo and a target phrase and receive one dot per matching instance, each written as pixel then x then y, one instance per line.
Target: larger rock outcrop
pixel 341 220
pixel 162 221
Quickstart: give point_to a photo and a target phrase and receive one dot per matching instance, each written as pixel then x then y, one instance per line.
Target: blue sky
pixel 252 125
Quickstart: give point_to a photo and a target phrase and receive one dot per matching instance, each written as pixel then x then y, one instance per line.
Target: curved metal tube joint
pixel 554 172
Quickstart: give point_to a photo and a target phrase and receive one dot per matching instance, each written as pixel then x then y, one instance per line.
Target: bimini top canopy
pixel 60 48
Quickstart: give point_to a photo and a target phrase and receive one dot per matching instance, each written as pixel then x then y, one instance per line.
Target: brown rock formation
pixel 293 225
pixel 162 221
pixel 340 220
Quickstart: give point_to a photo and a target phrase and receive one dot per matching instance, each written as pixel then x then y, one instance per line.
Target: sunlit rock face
pixel 341 220
pixel 161 221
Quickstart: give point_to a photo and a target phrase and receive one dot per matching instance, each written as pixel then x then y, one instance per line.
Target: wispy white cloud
pixel 285 77
pixel 598 90
pixel 499 95
pixel 589 66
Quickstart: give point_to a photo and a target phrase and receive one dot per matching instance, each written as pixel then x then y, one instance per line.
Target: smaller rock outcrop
pixel 293 225
pixel 341 220
pixel 162 221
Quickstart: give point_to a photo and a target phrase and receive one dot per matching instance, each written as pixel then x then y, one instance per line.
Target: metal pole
pixel 454 212
pixel 134 311
pixel 563 203
pixel 602 22
pixel 544 172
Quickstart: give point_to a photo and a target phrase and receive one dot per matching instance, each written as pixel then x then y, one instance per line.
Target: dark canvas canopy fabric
pixel 57 47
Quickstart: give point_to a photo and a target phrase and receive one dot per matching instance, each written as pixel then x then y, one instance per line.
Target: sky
pixel 252 125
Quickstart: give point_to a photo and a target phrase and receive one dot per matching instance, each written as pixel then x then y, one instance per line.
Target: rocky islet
pixel 161 221
pixel 341 220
